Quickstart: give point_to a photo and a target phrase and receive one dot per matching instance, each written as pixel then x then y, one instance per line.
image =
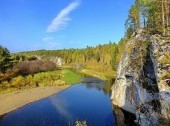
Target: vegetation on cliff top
pixel 151 15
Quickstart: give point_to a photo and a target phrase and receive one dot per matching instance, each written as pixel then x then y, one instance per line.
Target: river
pixel 87 101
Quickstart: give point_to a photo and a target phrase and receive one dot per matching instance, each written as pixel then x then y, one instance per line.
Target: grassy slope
pixel 70 77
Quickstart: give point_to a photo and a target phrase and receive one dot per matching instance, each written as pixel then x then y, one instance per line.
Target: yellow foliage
pixel 18 81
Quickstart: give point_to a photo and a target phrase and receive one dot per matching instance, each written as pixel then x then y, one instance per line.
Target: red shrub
pixel 30 67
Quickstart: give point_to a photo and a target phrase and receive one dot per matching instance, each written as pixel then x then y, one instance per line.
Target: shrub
pixel 50 78
pixel 5 84
pixel 18 81
pixel 31 67
pixel 8 74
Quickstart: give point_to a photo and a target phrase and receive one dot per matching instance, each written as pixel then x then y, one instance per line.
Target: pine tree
pixel 5 61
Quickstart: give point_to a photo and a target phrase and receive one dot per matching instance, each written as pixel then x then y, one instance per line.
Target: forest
pixel 151 15
pixel 102 58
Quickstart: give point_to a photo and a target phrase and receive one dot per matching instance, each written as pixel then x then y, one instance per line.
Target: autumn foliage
pixel 35 66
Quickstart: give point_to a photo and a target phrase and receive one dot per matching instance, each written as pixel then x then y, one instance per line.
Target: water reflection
pixel 61 106
pixel 99 84
pixel 106 85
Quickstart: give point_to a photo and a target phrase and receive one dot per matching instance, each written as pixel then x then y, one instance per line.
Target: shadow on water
pixel 124 118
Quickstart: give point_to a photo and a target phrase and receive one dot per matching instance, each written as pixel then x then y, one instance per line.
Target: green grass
pixel 70 77
pixel 101 75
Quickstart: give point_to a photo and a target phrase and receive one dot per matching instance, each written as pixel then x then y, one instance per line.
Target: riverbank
pixel 14 100
pixel 101 75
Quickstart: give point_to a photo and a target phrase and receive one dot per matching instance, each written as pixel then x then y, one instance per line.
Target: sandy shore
pixel 14 100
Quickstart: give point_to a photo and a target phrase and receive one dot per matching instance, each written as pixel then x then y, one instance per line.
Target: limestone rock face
pixel 160 55
pixel 142 86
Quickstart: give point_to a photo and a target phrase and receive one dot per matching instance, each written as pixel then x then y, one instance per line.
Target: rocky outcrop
pixel 142 86
pixel 160 55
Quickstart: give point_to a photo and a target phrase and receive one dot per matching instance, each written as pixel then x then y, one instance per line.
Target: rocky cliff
pixel 142 86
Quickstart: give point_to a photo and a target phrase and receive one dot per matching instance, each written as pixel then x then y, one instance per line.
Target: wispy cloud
pixel 62 19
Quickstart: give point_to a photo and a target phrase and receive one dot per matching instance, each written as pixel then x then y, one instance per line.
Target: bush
pixel 18 81
pixel 31 67
pixel 50 78
pixel 10 73
pixel 5 85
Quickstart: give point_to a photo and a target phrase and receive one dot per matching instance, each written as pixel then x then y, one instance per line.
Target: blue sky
pixel 58 24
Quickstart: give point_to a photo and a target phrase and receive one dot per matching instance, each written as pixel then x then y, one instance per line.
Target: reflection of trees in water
pixel 99 84
pixel 108 86
pixel 92 82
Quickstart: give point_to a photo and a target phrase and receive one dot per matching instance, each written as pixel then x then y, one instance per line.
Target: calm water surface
pixel 89 100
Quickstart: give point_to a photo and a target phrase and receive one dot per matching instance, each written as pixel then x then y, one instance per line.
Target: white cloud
pixel 62 19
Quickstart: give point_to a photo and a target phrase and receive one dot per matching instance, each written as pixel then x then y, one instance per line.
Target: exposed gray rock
pixel 160 47
pixel 140 87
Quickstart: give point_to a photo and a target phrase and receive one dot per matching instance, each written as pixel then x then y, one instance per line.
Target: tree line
pixel 151 15
pixel 100 58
